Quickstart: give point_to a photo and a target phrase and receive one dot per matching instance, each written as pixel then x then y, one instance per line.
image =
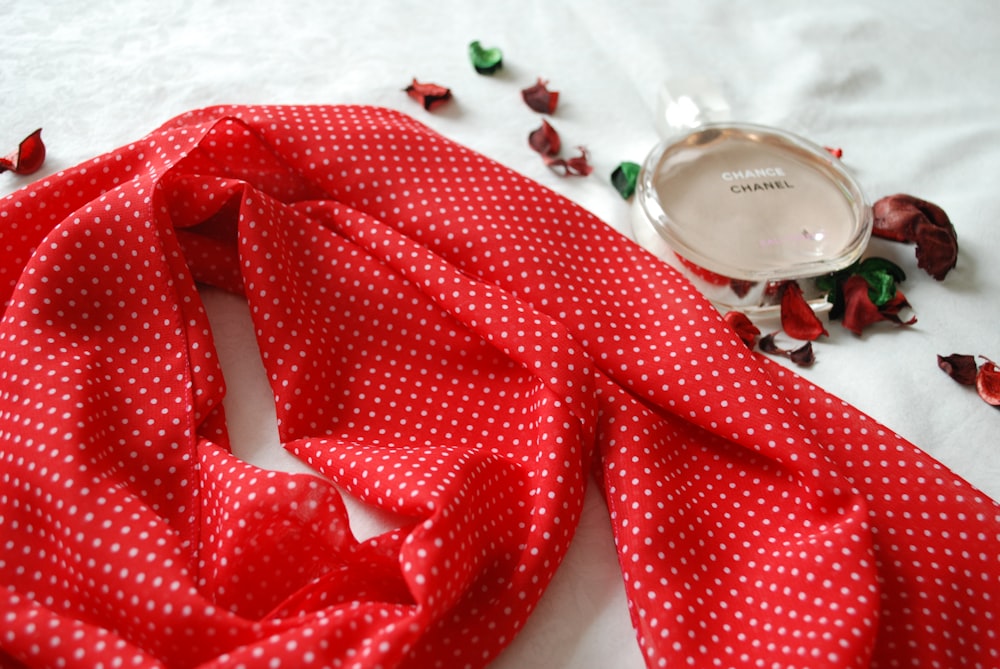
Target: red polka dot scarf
pixel 454 343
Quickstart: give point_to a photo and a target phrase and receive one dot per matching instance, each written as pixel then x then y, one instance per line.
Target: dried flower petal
pixel 904 218
pixel 741 287
pixel 540 98
pixel 962 368
pixel 988 382
pixel 624 178
pixel 545 140
pixel 577 166
pixel 802 356
pixel 937 250
pixel 836 152
pixel 859 311
pixel 743 327
pixel 798 319
pixel 486 61
pixel 28 157
pixel 431 96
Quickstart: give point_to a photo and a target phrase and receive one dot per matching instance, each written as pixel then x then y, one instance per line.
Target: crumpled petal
pixel 545 140
pixel 742 326
pixel 798 319
pixel 802 356
pixel 988 382
pixel 962 368
pixel 431 96
pixel 28 157
pixel 859 311
pixel 577 166
pixel 540 98
pixel 904 218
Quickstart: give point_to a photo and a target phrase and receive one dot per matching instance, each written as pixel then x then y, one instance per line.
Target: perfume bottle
pixel 742 208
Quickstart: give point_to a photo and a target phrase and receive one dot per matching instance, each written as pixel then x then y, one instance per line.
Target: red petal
pixel 803 356
pixel 960 367
pixel 545 140
pixel 431 96
pixel 798 319
pixel 540 98
pixel 937 249
pixel 576 166
pixel 859 310
pixel 741 287
pixel 28 157
pixel 743 327
pixel 988 383
pixel 904 218
pixel 895 217
pixel 836 152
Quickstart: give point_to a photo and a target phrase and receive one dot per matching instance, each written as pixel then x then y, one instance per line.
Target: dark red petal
pixel 571 167
pixel 895 217
pixel 431 96
pixel 859 310
pixel 960 367
pixel 893 307
pixel 798 319
pixel 741 287
pixel 28 157
pixel 768 345
pixel 540 98
pixel 904 218
pixel 742 326
pixel 937 249
pixel 803 356
pixel 545 140
pixel 988 383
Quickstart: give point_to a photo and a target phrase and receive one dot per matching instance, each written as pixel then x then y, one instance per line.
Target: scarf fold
pixel 451 342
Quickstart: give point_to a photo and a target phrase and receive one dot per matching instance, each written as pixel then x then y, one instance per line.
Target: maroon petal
pixel 431 96
pixel 798 319
pixel 859 310
pixel 743 327
pixel 904 218
pixel 962 368
pixel 578 166
pixel 895 217
pixel 28 157
pixel 545 140
pixel 802 356
pixel 540 98
pixel 988 383
pixel 937 249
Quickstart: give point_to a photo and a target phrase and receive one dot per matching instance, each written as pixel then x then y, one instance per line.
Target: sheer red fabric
pixel 450 341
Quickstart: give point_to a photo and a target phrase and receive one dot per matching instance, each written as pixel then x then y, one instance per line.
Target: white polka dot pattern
pixel 451 342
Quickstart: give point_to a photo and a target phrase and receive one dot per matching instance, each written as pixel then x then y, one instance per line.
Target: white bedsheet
pixel 909 90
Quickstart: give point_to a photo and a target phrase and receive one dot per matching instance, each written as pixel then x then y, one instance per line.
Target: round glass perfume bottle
pixel 741 208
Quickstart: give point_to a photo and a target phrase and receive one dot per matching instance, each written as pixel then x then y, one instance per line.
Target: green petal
pixel 486 61
pixel 624 178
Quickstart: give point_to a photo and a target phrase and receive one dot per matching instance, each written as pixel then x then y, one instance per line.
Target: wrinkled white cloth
pixel 908 90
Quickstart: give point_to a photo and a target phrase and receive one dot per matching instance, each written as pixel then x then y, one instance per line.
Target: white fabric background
pixel 909 90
